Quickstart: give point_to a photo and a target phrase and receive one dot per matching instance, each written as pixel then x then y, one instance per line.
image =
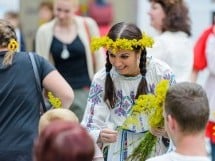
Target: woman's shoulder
pixel 90 21
pixel 47 26
pixel 100 75
pixel 158 66
pixel 169 36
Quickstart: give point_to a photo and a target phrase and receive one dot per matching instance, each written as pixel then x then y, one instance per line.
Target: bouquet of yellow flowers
pixel 152 106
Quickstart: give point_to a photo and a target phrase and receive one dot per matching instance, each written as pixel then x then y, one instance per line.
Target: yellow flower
pixel 152 106
pixel 13 45
pixel 55 102
pixel 121 44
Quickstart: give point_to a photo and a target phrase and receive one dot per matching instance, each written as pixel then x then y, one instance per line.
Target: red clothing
pixel 210 131
pixel 200 61
pixel 104 29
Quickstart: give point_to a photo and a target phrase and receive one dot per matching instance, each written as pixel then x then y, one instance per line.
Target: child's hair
pixel 128 31
pixel 188 104
pixel 64 141
pixel 56 114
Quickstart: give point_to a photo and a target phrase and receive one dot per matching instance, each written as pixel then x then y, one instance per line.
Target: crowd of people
pixel 98 78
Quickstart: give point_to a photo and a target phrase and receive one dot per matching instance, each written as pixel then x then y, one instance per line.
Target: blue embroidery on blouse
pixel 171 77
pixel 95 96
pixel 123 103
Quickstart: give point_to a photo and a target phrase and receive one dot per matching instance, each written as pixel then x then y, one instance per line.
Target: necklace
pixel 65 52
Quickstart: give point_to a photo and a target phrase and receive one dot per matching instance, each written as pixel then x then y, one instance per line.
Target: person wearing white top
pixel 173 45
pixel 128 73
pixel 186 112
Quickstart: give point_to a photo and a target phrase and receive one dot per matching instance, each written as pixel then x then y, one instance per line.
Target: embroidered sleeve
pixel 97 111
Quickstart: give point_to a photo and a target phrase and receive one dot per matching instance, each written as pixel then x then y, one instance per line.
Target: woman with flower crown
pixel 128 73
pixel 20 99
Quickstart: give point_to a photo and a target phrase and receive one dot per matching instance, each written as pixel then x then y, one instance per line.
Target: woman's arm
pixel 210 53
pixel 56 84
pixel 97 111
pixel 194 75
pixel 99 56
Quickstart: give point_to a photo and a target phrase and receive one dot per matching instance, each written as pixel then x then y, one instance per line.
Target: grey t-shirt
pixel 19 106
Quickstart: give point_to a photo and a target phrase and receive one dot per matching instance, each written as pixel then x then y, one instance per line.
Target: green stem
pixel 144 149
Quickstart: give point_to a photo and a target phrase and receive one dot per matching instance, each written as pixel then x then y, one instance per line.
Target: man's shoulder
pixel 164 157
pixel 179 157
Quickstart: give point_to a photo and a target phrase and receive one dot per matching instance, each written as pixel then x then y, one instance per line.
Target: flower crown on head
pixel 121 43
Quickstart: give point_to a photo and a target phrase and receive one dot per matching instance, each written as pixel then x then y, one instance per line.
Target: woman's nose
pixel 61 14
pixel 117 62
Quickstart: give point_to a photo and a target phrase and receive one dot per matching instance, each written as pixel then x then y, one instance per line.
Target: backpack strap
pixel 37 79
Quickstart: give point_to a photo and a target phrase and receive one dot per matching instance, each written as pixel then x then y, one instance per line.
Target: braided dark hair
pixel 142 88
pixel 110 95
pixel 128 31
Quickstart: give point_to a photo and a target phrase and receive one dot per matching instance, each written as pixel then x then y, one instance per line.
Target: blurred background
pixel 135 11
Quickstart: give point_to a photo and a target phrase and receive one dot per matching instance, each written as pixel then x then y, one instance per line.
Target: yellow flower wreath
pixel 121 44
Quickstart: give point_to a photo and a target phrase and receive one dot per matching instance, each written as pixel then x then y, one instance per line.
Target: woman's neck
pixel 65 24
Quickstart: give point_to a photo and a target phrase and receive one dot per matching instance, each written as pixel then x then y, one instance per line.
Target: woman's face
pixel 126 62
pixel 157 15
pixel 45 14
pixel 64 10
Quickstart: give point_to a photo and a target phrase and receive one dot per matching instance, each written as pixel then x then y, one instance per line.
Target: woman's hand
pixel 107 136
pixel 159 132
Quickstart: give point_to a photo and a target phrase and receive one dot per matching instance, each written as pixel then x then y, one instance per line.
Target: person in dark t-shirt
pixel 20 100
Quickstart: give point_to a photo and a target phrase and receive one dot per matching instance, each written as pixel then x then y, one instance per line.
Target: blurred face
pixel 157 16
pixel 13 21
pixel 64 10
pixel 45 14
pixel 126 62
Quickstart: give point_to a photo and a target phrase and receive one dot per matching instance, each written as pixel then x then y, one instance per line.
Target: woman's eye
pixel 59 9
pixel 67 11
pixel 112 55
pixel 124 56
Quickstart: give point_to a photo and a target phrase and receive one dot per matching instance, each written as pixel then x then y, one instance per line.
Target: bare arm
pixel 56 84
pixel 194 75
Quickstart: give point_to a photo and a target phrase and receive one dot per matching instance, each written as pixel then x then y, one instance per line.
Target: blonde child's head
pixel 56 114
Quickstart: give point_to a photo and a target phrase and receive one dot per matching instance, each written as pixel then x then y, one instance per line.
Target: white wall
pixel 6 5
